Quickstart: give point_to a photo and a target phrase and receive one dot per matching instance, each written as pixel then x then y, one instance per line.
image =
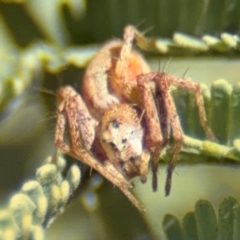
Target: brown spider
pixel 123 118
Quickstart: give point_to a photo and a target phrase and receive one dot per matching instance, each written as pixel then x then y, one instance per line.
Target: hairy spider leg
pixel 164 81
pixel 164 119
pixel 196 89
pixel 81 123
pixel 129 64
pixel 154 138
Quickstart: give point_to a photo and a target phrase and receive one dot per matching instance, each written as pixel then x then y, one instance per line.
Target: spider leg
pixel 153 139
pixel 81 123
pixel 143 166
pixel 196 89
pixel 164 120
pixel 59 133
pixel 128 66
pixel 163 83
pixel 128 38
pixel 108 171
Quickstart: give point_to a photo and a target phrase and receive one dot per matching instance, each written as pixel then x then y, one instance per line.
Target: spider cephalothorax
pixel 124 118
pixel 121 136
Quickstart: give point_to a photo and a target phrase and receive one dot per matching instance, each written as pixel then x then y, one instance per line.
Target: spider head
pixel 122 137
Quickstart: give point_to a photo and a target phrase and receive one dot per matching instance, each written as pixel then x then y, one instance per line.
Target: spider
pixel 124 116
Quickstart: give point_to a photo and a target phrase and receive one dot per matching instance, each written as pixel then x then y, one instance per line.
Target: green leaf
pixel 226 216
pixel 172 227
pixel 206 221
pixel 189 227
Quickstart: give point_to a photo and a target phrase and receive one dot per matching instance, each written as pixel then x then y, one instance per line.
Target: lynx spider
pixel 122 120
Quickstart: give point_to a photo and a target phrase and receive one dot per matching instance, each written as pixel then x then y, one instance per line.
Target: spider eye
pixel 124 140
pixel 132 159
pixel 112 144
pixel 115 124
pixel 121 163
